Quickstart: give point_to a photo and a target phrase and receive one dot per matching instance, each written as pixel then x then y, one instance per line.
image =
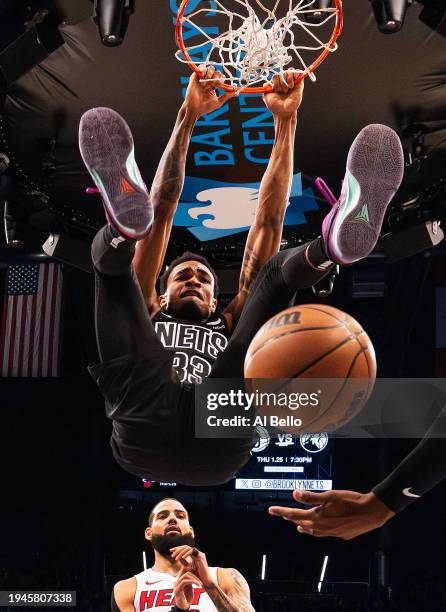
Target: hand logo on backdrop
pixel 213 209
pixel 227 204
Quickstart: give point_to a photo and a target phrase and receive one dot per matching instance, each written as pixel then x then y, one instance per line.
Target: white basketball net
pixel 258 44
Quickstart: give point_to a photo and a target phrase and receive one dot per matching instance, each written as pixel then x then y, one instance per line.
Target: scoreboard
pixel 282 462
pixel 288 462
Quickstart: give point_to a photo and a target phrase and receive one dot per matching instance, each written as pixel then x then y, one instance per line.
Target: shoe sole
pixel 375 169
pixel 106 146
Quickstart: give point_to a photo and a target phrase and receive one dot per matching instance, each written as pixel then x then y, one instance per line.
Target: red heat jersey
pixel 154 592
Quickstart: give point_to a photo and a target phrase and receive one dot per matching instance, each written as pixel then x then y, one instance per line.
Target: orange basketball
pixel 309 342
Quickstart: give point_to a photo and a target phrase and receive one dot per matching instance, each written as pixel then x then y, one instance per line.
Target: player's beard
pixel 187 310
pixel 163 543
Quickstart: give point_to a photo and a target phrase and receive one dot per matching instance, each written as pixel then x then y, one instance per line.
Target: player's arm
pixel 419 472
pixel 266 231
pixel 123 596
pixel 348 514
pixel 341 514
pixel 231 594
pixel 201 98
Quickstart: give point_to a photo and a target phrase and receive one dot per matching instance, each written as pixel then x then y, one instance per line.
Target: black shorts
pixel 153 416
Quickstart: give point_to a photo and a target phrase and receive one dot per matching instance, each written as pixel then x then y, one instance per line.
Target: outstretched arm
pixel 348 514
pixel 341 514
pixel 165 194
pixel 201 98
pixel 266 231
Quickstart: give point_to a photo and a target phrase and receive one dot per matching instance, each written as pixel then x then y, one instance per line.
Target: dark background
pixel 70 518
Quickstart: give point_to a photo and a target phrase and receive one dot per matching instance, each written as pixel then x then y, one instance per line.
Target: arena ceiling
pixel 399 80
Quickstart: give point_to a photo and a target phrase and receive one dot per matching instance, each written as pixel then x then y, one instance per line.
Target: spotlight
pixel 321 579
pixel 434 15
pixel 389 14
pixel 319 11
pixel 263 570
pixel 112 17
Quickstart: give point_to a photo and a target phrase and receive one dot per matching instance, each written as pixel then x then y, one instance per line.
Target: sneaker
pixel 106 146
pixel 375 168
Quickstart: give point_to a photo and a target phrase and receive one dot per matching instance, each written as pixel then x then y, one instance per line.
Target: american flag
pixel 31 322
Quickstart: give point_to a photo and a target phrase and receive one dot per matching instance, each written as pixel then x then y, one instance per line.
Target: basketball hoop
pixel 255 41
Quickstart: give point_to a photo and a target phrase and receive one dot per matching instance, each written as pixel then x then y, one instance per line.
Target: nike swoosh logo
pixel 156 581
pixel 407 493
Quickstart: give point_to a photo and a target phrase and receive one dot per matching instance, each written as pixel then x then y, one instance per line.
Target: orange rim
pixel 266 88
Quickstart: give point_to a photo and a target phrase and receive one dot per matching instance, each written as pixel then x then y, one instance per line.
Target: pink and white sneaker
pixel 375 168
pixel 106 146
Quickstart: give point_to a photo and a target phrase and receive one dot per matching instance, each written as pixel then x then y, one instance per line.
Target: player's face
pixel 170 518
pixel 190 291
pixel 170 528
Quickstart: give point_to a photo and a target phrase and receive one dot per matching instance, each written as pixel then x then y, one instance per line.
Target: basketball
pixel 309 342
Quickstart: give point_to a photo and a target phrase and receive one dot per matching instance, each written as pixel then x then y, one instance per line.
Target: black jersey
pixel 196 345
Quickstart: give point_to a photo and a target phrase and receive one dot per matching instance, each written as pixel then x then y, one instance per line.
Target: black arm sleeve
pixel 114 605
pixel 419 472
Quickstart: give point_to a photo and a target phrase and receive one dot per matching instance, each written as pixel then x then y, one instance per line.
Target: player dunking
pixel 150 402
pixel 180 578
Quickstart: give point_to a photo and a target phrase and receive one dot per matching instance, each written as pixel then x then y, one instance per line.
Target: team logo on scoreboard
pixel 263 441
pixel 315 442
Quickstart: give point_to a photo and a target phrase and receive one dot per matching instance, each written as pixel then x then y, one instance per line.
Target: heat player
pixel 153 349
pixel 180 578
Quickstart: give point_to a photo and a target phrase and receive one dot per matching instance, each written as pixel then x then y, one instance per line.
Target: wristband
pixel 175 608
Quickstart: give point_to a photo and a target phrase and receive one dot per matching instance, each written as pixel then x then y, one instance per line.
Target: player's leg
pixel 150 409
pixel 106 146
pixel 123 325
pixel 273 291
pixel 374 172
pixel 350 231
